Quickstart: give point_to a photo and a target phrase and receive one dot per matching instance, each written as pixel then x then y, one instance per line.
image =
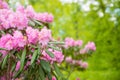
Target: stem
pixel 70 72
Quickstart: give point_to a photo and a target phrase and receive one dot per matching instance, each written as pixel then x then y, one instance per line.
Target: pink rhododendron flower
pixel 4 14
pixel 30 12
pixel 78 43
pixel 54 78
pixel 77 78
pixel 17 66
pixel 44 17
pixel 69 42
pixel 3 5
pixel 84 65
pixel 6 41
pixel 18 20
pixel 79 62
pixel 4 53
pixel 68 59
pixel 45 36
pixel 18 39
pixel 58 56
pixel 32 34
pixel 83 51
pixel 91 46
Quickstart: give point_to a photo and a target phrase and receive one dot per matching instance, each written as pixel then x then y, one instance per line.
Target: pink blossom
pixel 84 65
pixel 18 20
pixel 77 78
pixel 4 53
pixel 44 36
pixel 6 41
pixel 4 14
pixel 3 5
pixel 58 56
pixel 68 59
pixel 69 42
pixel 90 46
pixel 53 78
pixel 78 43
pixel 20 9
pixel 32 35
pixel 17 66
pixel 19 40
pixel 44 17
pixel 30 12
pixel 83 51
pixel 79 62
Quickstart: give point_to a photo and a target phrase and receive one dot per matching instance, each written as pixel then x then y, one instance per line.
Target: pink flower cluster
pixel 43 17
pixel 76 62
pixel 19 39
pixel 58 56
pixel 90 46
pixel 20 18
pixel 3 5
pixel 70 42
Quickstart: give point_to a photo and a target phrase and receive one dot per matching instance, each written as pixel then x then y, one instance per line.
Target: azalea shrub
pixel 27 49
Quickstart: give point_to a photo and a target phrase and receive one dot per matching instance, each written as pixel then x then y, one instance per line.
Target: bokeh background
pixel 89 20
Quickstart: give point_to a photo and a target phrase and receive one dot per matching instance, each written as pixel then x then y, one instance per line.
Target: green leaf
pixel 42 73
pixel 50 53
pixel 31 23
pixel 49 76
pixel 39 50
pixel 17 74
pixel 57 70
pixel 54 48
pixel 61 43
pixel 4 61
pixel 22 61
pixel 3 49
pixel 37 22
pixel 34 56
pixel 13 67
pixel 0 54
pixel 45 65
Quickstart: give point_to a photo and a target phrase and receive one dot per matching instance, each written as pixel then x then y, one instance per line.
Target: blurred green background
pixel 89 20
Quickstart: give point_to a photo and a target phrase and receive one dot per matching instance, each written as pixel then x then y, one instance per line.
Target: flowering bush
pixel 76 55
pixel 28 50
pixel 25 49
